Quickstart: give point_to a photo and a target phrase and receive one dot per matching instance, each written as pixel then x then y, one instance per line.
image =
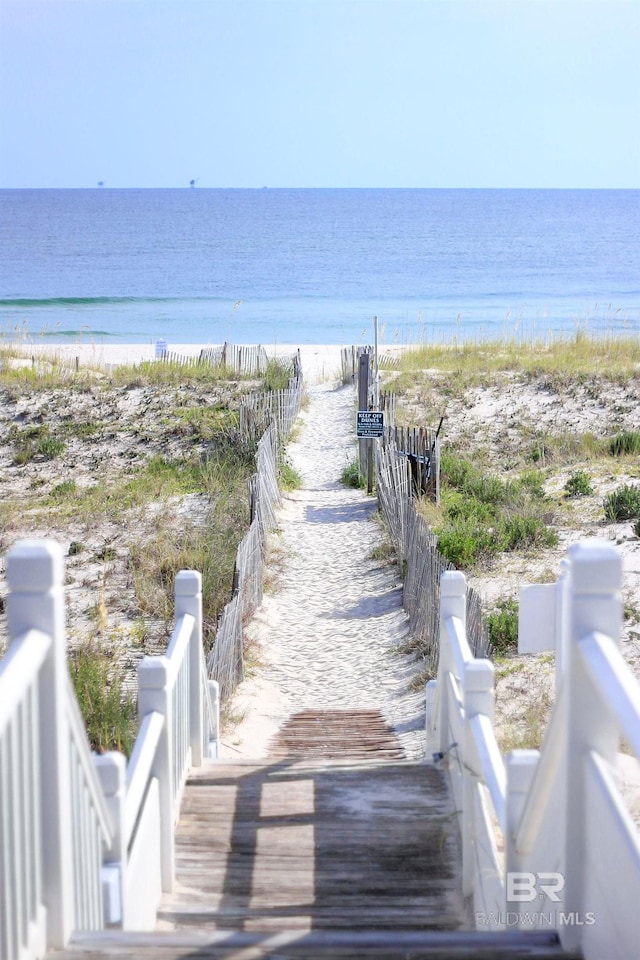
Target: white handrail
pixel 92 784
pixel 571 848
pixel 178 643
pixel 539 794
pixel 612 678
pixel 459 646
pixel 22 914
pixel 139 770
pixel 20 666
pixel 491 764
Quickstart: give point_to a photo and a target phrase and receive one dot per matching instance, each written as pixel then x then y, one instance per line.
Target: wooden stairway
pixel 328 848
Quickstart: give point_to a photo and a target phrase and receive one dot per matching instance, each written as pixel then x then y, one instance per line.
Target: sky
pixel 320 93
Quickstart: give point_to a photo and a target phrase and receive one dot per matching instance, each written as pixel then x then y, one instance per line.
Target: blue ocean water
pixel 315 266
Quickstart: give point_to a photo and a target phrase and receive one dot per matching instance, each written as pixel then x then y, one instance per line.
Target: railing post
pixel 214 697
pixel 112 770
pixel 562 627
pixel 154 695
pixel 188 599
pixel 520 767
pixel 35 574
pixel 478 697
pixel 453 603
pixel 430 710
pixel 594 604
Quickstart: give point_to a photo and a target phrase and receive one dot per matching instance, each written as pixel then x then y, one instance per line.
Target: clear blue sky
pixel 320 93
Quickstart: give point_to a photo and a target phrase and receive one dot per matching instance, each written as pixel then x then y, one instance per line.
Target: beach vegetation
pixel 169 373
pixel 563 447
pixel 351 476
pixel 277 374
pixel 529 730
pixel 143 472
pixel 622 504
pixel 502 626
pixel 482 514
pixel 35 441
pixel 203 423
pixel 578 485
pixel 288 476
pixel 562 358
pixel 624 443
pixel 109 710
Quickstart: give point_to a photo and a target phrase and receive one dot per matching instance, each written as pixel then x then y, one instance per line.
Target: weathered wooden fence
pixel 548 841
pixel 350 361
pixel 244 360
pixel 258 409
pixel 271 414
pixel 266 418
pixel 420 447
pixel 418 552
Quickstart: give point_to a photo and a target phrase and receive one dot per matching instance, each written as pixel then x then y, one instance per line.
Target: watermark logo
pixel 551 920
pixel 525 887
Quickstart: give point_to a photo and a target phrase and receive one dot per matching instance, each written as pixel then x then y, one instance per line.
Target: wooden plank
pixel 317 945
pixel 345 733
pixel 354 844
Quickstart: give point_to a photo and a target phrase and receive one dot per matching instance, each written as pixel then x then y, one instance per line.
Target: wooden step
pixel 343 734
pixel 317 945
pixel 299 844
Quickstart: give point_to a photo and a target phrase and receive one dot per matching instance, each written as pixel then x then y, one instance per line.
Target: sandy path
pixel 328 635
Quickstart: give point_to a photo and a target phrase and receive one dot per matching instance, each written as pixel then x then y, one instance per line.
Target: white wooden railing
pixel 88 840
pixel 547 839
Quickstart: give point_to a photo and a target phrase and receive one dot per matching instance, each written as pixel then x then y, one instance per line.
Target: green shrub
pixel 627 442
pixel 50 447
pixel 277 375
pixel 110 714
pixel 578 484
pixel 36 440
pixel 502 624
pixel 532 481
pixel 465 541
pixel 484 514
pixel 526 530
pixel 351 476
pixel 289 477
pixel 63 490
pixel 622 504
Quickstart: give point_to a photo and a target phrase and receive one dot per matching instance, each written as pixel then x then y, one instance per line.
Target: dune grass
pixel 578 356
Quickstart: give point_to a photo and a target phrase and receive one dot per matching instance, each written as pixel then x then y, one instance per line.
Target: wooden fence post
pixel 35 574
pixel 154 695
pixel 188 599
pixel 363 404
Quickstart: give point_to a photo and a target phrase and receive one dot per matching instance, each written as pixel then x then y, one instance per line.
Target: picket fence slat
pixel 417 548
pixel 266 418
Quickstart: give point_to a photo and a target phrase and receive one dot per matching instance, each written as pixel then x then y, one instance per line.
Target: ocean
pixel 315 266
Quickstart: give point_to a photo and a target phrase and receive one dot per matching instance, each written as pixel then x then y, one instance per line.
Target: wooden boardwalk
pixel 334 846
pixel 299 845
pixel 328 832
